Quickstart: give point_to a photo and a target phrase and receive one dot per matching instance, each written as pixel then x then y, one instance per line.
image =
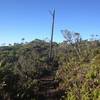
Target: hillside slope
pixel 27 74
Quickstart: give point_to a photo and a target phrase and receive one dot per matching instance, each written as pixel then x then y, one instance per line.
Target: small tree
pixel 73 39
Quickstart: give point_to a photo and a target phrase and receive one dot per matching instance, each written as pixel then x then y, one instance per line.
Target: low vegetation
pixel 21 65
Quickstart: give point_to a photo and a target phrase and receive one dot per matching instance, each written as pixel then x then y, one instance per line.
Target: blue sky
pixel 31 19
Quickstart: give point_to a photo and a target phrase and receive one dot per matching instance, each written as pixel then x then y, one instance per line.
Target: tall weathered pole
pixel 52 32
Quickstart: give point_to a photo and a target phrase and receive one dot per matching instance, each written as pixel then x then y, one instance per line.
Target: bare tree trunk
pixel 51 42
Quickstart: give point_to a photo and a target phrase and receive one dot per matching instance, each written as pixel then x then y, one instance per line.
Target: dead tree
pixel 51 42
